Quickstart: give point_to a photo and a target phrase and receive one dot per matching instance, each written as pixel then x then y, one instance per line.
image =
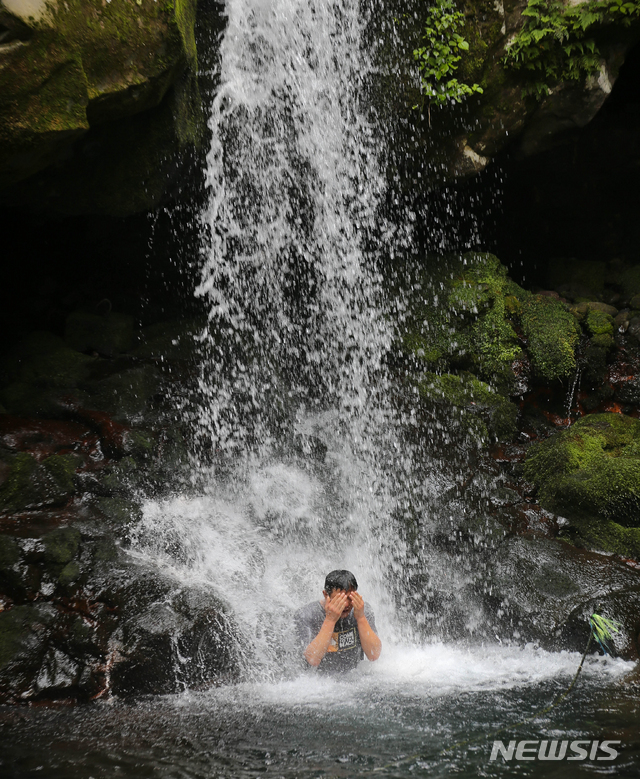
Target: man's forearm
pixel 371 644
pixel 317 649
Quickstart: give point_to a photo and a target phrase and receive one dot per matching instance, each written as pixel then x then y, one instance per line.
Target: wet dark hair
pixel 340 580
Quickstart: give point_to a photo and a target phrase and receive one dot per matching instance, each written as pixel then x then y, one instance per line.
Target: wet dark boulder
pixel 171 639
pixel 30 484
pixel 38 372
pixel 544 590
pixel 124 390
pixel 24 634
pixel 79 619
pixel 108 333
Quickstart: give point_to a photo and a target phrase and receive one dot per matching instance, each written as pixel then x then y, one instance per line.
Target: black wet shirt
pixel 345 650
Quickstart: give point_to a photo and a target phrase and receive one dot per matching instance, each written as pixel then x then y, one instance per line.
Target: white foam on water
pixel 420 672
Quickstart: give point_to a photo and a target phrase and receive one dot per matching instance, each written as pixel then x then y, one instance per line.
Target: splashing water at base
pixel 264 541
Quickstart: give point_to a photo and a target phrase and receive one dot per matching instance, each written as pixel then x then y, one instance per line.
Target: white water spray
pixel 293 388
pixel 296 187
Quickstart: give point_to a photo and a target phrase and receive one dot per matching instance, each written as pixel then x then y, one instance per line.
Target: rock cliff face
pixel 97 102
pixel 100 102
pixel 504 364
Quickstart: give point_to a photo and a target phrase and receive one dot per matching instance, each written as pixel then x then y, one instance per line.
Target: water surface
pixel 429 711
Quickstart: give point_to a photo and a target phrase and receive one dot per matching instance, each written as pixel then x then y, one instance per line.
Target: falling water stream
pixel 302 465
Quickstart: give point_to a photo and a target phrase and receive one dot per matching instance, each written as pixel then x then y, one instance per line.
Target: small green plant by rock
pixel 438 58
pixel 559 42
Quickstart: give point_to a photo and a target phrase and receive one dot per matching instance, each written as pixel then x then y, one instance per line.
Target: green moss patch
pixel 479 408
pixel 471 324
pixel 590 471
pixel 552 334
pixel 599 323
pixel 466 324
pixel 605 535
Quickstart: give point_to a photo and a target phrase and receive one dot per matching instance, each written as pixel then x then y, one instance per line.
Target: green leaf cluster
pixel 440 54
pixel 559 42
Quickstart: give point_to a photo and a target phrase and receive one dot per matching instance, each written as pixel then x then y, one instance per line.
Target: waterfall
pixel 291 274
pixel 302 466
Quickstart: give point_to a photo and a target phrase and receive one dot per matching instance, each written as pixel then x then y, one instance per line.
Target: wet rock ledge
pixel 88 426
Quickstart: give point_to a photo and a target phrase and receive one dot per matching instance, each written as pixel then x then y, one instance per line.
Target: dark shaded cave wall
pixel 578 200
pixel 143 265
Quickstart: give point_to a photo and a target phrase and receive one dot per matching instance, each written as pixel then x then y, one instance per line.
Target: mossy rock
pixel 82 63
pixel 603 341
pixel 493 340
pixel 105 550
pixel 590 474
pixel 63 468
pixel 599 323
pixel 120 511
pixel 44 360
pixel 604 535
pixel 32 485
pixel 31 400
pixel 481 410
pixel 475 331
pixel 434 340
pixel 69 574
pixel 552 334
pixel 61 546
pixel 123 478
pixel 127 394
pixel 467 323
pixel 139 444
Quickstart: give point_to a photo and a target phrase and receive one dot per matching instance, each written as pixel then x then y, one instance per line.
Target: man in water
pixel 339 631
